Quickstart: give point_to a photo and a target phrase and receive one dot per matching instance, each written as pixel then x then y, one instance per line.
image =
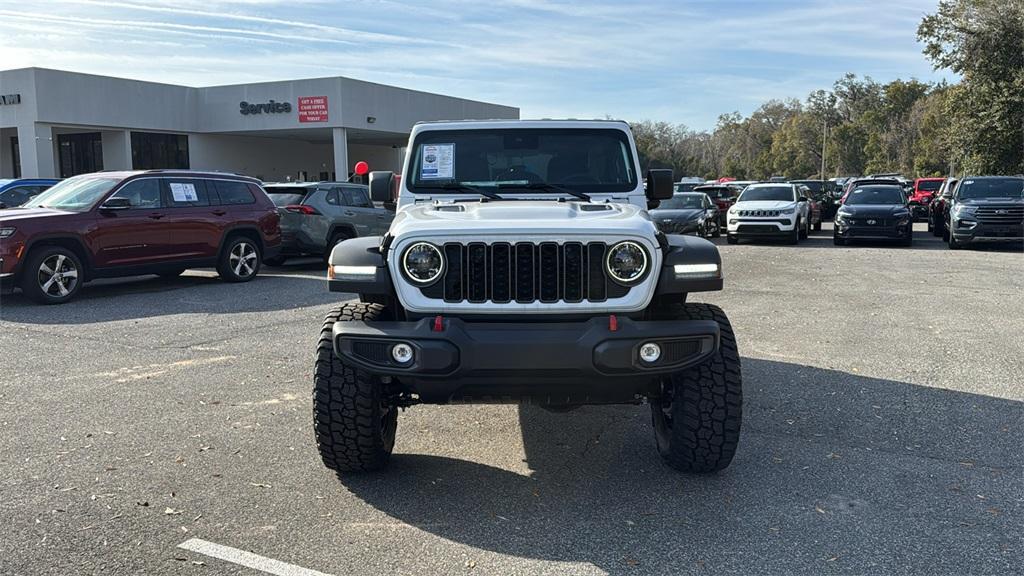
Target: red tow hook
pixel 613 323
pixel 438 324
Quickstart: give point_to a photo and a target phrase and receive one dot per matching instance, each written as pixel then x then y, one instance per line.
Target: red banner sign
pixel 313 109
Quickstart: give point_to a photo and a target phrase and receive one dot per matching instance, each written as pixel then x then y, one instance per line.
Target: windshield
pixel 776 193
pixel 286 196
pixel 929 185
pixel 682 202
pixel 991 188
pixel 74 194
pixel 595 160
pixel 815 186
pixel 723 192
pixel 686 186
pixel 875 195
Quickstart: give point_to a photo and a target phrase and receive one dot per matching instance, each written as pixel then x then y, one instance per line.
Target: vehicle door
pixel 195 223
pixel 136 235
pixel 339 201
pixel 358 197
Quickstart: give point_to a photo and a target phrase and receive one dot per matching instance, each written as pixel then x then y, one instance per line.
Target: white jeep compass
pixel 769 210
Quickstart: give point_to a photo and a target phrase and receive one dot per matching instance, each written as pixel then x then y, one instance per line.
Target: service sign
pixel 313 109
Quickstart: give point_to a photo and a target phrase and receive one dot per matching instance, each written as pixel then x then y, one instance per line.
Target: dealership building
pixel 56 124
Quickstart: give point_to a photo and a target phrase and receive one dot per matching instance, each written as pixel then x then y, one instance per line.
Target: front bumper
pixel 680 227
pixel 760 227
pixel 986 232
pixel 888 231
pixel 583 362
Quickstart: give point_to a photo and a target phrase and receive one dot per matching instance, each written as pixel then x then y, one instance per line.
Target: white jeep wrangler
pixel 522 266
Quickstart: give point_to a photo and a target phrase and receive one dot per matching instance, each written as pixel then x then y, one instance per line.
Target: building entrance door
pixel 80 153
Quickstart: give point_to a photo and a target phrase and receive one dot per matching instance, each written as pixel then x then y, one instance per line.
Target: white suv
pixel 769 210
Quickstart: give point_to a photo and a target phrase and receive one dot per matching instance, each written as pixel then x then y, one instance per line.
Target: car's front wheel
pixel 698 413
pixel 352 419
pixel 52 275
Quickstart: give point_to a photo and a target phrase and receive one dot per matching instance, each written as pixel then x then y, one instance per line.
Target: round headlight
pixel 627 262
pixel 423 263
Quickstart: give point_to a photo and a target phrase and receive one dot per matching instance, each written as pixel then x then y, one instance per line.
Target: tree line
pixel 861 126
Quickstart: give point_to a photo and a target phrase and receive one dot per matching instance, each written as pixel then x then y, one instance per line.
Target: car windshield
pixel 74 194
pixel 723 192
pixel 776 193
pixel 682 202
pixel 815 186
pixel 685 186
pixel 875 195
pixel 929 185
pixel 594 160
pixel 285 196
pixel 991 188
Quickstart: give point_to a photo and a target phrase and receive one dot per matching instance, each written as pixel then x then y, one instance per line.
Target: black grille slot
pixel 501 273
pixel 525 272
pixel 477 271
pixel 376 352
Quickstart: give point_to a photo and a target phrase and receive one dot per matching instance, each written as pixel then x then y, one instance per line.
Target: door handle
pixel 219 212
pixel 347 213
pixel 156 216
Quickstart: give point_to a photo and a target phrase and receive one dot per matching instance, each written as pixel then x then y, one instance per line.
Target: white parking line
pixel 247 559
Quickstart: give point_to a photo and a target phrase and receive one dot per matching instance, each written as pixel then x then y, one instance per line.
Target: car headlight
pixel 423 263
pixel 6 232
pixel 964 209
pixel 626 262
pixel 787 211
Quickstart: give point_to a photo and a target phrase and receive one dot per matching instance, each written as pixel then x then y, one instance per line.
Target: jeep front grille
pixel 525 272
pixel 760 213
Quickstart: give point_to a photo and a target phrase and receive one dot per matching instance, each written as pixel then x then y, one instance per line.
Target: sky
pixel 679 61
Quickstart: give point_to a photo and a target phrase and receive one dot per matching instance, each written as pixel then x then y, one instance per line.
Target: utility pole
pixel 824 136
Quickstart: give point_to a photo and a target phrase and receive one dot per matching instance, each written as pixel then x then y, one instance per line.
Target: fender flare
pixel 357 265
pixel 688 250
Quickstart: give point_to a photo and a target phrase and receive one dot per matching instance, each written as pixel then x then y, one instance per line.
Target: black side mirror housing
pixel 659 184
pixel 382 186
pixel 116 204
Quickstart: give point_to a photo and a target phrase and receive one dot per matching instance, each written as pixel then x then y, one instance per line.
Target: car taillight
pixel 301 209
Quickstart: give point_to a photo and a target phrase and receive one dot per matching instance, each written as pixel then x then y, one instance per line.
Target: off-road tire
pixel 697 418
pixel 355 430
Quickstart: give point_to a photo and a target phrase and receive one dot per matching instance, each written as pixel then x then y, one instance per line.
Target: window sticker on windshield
pixel 438 162
pixel 184 192
pixel 968 182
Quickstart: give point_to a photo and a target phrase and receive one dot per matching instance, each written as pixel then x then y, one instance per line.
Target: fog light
pixel 650 352
pixel 402 353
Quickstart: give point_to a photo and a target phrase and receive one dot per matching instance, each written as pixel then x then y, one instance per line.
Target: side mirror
pixel 659 185
pixel 116 204
pixel 801 199
pixel 382 186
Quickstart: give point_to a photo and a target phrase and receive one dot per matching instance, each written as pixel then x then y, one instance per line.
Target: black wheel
pixel 817 227
pixel 795 236
pixel 909 240
pixel 239 260
pixel 805 230
pixel 354 425
pixel 52 275
pixel 837 240
pixel 952 241
pixel 171 273
pixel 931 224
pixel 279 261
pixel 731 239
pixel 945 232
pixel 716 230
pixel 338 238
pixel 698 414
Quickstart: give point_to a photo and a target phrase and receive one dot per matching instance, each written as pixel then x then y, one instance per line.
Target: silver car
pixel 317 215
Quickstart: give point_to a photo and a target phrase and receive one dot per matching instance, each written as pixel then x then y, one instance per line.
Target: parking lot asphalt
pixel 883 433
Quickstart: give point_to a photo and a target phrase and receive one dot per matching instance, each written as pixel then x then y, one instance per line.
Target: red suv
pixel 112 224
pixel 925 190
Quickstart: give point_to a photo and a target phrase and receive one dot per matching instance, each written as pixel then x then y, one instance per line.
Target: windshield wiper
pixel 549 187
pixel 464 188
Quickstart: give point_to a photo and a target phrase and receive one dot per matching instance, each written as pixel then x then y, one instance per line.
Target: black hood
pixel 869 210
pixel 677 215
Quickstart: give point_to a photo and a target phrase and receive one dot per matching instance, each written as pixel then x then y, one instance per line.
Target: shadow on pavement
pixel 197 291
pixel 835 473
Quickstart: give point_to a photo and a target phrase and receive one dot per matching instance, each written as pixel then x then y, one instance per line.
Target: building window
pixel 152 150
pixel 80 153
pixel 16 156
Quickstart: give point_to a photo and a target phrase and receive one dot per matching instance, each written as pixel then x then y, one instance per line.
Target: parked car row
pixel 113 224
